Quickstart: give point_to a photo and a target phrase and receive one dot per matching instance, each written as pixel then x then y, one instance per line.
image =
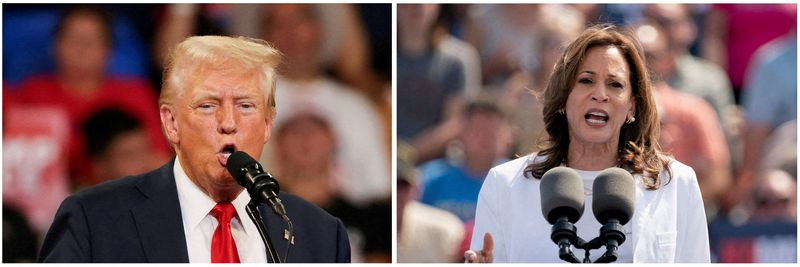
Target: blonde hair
pixel 199 54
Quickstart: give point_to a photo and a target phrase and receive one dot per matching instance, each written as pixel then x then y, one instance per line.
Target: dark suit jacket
pixel 138 219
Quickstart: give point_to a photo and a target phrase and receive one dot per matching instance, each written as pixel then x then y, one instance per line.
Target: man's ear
pixel 268 130
pixel 169 123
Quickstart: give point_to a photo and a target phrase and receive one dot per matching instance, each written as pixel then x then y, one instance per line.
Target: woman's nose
pixel 599 94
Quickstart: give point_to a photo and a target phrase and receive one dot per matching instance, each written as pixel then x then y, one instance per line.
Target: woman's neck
pixel 591 157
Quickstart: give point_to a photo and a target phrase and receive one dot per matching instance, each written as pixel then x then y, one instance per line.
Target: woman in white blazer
pixel 599 113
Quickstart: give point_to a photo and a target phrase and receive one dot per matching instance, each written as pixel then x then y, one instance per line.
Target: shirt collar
pixel 196 204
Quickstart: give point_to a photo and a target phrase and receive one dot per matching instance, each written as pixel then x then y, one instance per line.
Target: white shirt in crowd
pixel 428 235
pixel 199 225
pixel 668 224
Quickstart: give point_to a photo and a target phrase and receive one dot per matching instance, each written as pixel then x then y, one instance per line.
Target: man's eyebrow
pixel 238 96
pixel 204 95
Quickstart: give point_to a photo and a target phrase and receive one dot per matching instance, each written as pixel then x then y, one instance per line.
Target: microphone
pixel 263 188
pixel 613 194
pixel 260 184
pixel 561 191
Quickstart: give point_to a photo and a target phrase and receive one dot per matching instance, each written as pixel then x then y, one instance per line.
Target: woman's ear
pixel 169 124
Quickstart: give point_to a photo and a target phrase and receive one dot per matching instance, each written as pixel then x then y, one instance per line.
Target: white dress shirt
pixel 199 225
pixel 668 224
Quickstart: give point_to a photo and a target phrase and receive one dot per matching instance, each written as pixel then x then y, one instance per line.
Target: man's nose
pixel 227 119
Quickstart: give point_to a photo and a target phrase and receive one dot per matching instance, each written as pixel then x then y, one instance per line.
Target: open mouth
pixel 596 117
pixel 227 150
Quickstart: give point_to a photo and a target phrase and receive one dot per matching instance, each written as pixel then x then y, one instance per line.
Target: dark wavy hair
pixel 638 150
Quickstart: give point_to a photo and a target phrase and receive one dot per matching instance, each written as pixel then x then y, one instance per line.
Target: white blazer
pixel 668 224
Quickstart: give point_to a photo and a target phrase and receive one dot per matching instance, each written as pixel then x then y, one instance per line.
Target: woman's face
pixel 601 99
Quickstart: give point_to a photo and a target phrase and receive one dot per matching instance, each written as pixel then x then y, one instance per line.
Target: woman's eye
pixel 585 81
pixel 616 85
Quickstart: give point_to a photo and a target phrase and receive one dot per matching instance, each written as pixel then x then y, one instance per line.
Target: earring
pixel 561 111
pixel 630 120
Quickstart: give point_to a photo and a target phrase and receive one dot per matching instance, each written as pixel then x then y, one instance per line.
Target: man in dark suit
pixel 218 97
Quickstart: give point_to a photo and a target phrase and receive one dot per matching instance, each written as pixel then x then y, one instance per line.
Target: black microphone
pixel 561 191
pixel 261 186
pixel 613 194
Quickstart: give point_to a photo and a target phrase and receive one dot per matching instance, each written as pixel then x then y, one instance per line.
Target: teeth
pixel 598 114
pixel 226 154
pixel 595 121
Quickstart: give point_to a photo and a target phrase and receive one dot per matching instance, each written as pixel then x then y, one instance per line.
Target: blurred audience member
pixel 296 31
pixel 345 49
pixel 775 197
pixel 780 149
pixel 453 184
pixel 764 228
pixel 117 145
pixel 733 32
pixel 19 240
pixel 28 44
pixel 690 129
pixel 467 54
pixel 770 99
pixel 306 166
pixel 506 37
pixel 80 85
pixel 688 73
pixel 424 234
pixel 429 82
pixel 561 24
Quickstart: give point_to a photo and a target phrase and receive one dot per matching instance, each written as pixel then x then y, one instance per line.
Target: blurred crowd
pixel 470 78
pixel 80 88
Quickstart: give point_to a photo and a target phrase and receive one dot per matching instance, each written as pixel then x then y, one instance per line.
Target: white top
pixel 668 224
pixel 199 224
pixel 361 147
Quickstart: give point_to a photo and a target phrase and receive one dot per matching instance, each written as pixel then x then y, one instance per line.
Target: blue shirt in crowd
pixel 450 187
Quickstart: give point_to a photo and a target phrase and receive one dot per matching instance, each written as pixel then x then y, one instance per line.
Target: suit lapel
pixel 158 217
pixel 275 226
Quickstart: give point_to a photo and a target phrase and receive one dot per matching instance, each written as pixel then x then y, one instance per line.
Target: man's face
pixel 82 48
pixel 295 31
pixel 217 113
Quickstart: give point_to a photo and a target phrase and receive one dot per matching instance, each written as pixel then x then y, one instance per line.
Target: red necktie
pixel 223 248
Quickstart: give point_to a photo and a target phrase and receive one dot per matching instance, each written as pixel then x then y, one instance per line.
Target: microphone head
pixel 613 194
pixel 561 190
pixel 238 164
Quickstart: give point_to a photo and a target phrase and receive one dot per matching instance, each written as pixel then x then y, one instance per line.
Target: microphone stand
pixel 611 236
pixel 564 234
pixel 255 216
